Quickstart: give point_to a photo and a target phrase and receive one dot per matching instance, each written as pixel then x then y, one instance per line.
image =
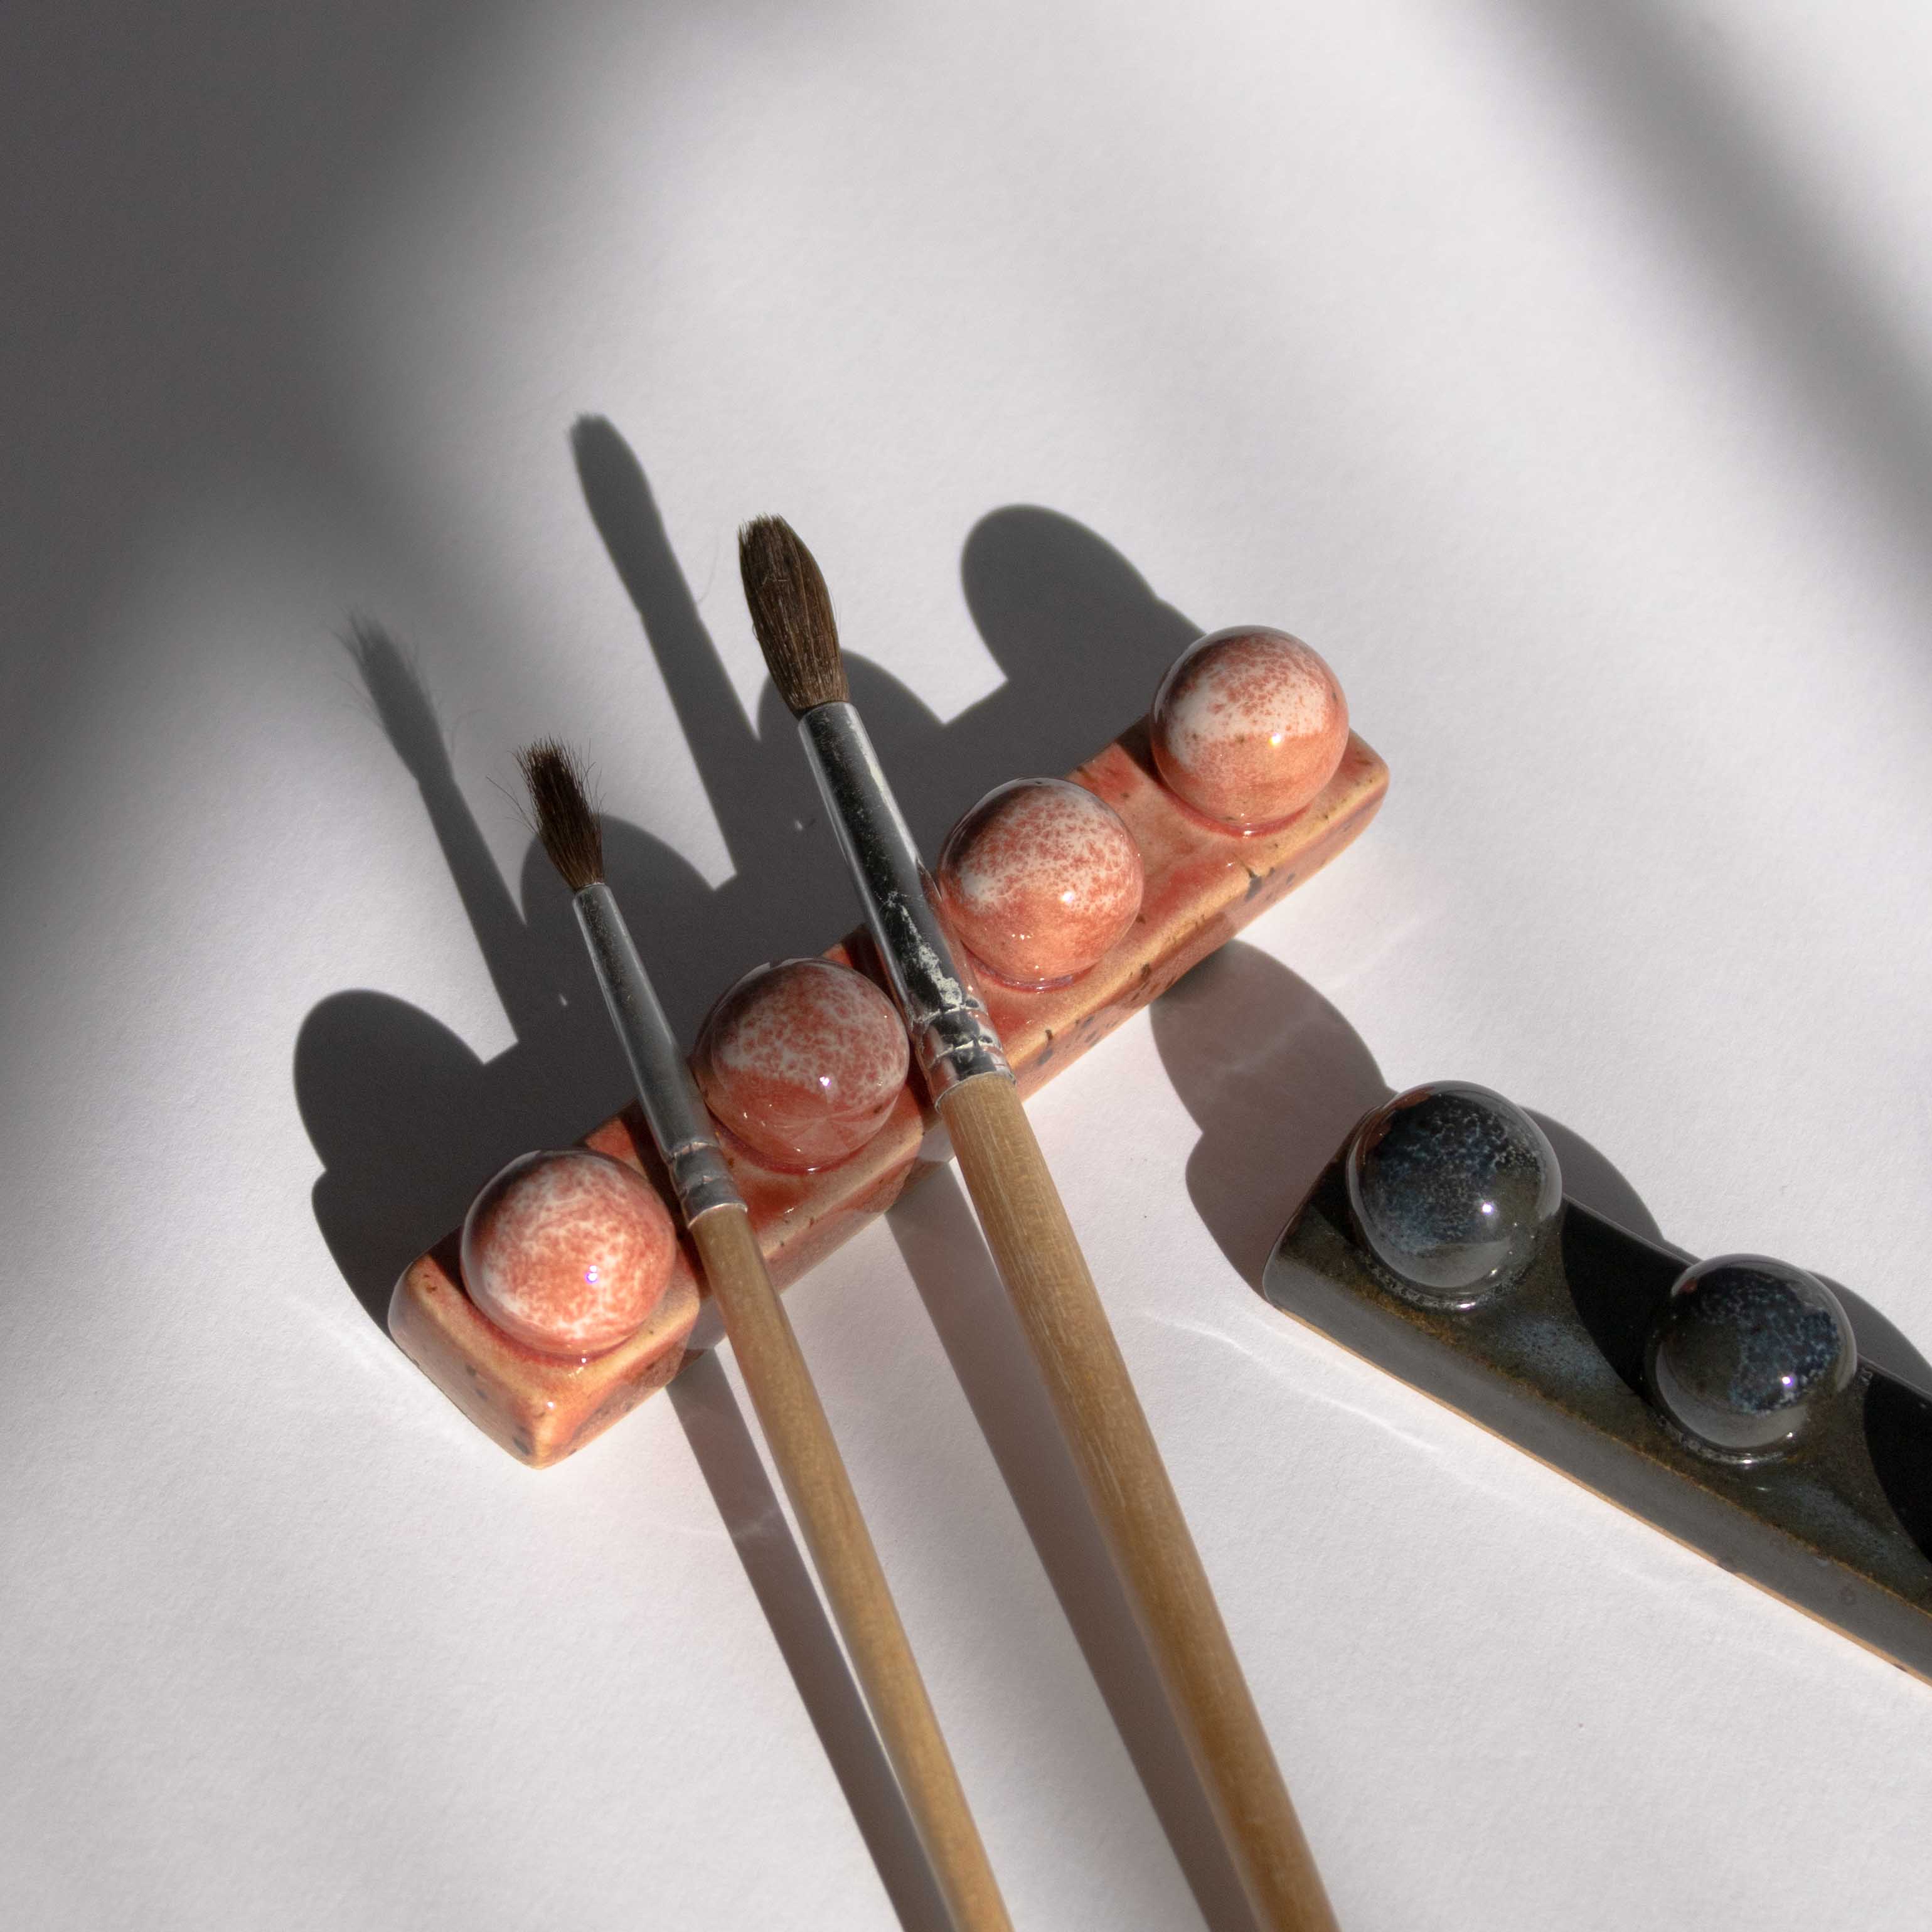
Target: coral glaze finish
pixel 1040 879
pixel 1248 726
pixel 1204 884
pixel 803 1061
pixel 541 1407
pixel 568 1252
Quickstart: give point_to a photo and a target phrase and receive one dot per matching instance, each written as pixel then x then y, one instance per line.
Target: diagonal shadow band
pixel 1720 170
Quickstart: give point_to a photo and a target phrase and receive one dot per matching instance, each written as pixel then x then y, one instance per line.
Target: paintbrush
pixel 1033 1244
pixel 775 1375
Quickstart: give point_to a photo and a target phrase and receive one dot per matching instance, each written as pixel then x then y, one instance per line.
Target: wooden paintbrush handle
pixel 1127 1484
pixel 814 1477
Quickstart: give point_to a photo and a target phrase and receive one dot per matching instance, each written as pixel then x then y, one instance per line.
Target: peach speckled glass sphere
pixel 803 1061
pixel 568 1252
pixel 1248 726
pixel 1040 879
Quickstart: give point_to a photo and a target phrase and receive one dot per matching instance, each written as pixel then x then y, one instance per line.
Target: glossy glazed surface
pixel 568 1252
pixel 1842 1528
pixel 1248 726
pixel 1203 887
pixel 1747 1352
pixel 1039 880
pixel 1452 1188
pixel 803 1061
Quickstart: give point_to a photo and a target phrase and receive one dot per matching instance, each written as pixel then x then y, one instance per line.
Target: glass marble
pixel 803 1061
pixel 1039 881
pixel 1247 726
pixel 1453 1189
pixel 1746 1354
pixel 568 1252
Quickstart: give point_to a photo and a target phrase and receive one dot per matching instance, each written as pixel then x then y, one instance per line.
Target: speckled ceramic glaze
pixel 569 1252
pixel 1839 1525
pixel 1039 880
pixel 1452 1189
pixel 1204 885
pixel 803 1061
pixel 1248 726
pixel 1746 1352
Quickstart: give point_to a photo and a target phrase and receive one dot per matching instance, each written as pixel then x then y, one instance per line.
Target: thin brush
pixel 1033 1245
pixel 775 1374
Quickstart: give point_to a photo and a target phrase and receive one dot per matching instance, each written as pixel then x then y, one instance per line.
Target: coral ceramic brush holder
pixel 1203 878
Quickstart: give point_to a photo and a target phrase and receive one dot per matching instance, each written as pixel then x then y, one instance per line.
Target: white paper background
pixel 1564 374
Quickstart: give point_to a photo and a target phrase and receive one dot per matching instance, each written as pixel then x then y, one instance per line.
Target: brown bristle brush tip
pixel 791 611
pixel 566 821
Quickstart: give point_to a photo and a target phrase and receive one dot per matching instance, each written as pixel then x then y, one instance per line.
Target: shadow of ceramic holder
pixel 1204 884
pixel 1723 1402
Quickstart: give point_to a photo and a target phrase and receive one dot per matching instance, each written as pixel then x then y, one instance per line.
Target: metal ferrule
pixel 679 1123
pixel 952 1039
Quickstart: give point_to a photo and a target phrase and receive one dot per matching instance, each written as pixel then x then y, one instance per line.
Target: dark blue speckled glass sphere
pixel 1746 1352
pixel 1452 1188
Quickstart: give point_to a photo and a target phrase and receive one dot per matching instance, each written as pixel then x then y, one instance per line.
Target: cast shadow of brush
pixel 1276 1078
pixel 941 1241
pixel 409 1121
pixel 728 1458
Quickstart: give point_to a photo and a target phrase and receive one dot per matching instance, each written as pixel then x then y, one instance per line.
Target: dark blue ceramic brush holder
pixel 1723 1401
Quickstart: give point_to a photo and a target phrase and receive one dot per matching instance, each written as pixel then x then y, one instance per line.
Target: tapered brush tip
pixel 791 611
pixel 566 821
